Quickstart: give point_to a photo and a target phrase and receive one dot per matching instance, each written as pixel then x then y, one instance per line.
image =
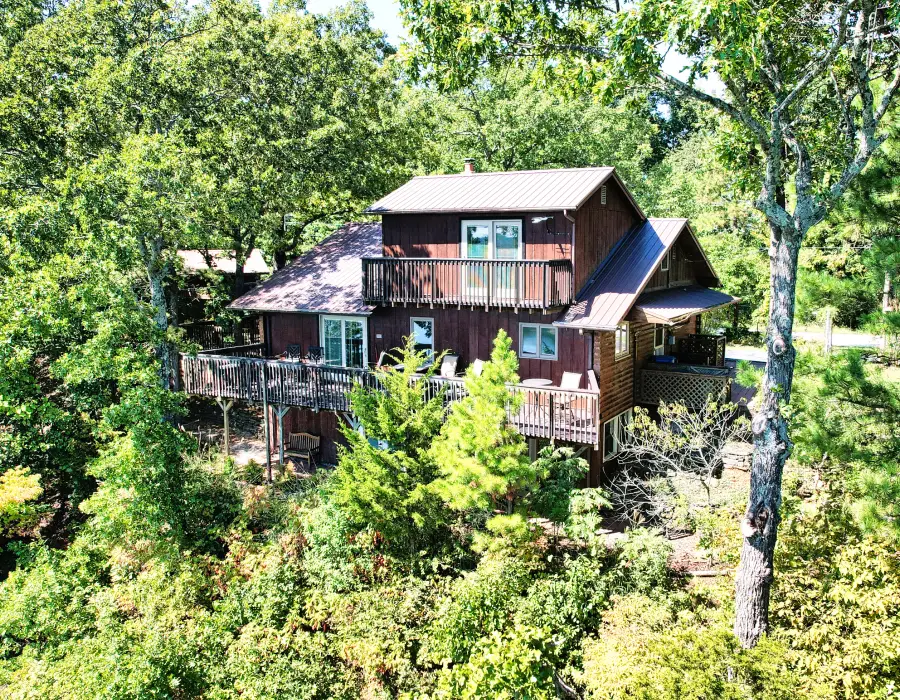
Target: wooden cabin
pixel 603 305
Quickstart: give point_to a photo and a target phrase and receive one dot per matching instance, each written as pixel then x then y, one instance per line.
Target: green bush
pixel 505 666
pixel 662 650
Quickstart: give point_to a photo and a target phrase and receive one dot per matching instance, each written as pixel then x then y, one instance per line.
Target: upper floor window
pixel 499 239
pixel 538 341
pixel 664 265
pixel 622 339
pixel 422 332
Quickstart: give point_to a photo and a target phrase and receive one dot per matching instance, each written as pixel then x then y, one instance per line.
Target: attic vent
pixel 603 194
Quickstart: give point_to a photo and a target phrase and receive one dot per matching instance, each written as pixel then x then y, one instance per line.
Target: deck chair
pixel 477 367
pixel 571 381
pixel 303 446
pixel 293 352
pixel 448 366
pixel 315 353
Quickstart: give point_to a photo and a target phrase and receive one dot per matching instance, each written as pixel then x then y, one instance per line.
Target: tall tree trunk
pixel 771 445
pixel 151 247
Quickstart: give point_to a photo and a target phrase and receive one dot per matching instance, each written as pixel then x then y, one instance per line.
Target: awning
pixel 671 306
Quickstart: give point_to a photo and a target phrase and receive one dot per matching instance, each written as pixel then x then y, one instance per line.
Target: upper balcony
pixel 511 284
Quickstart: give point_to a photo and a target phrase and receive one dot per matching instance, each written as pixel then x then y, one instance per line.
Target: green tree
pixel 384 473
pixel 776 71
pixel 481 454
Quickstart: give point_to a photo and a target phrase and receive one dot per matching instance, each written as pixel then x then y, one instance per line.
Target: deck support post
pixel 281 412
pixel 226 407
pixel 532 449
pixel 265 398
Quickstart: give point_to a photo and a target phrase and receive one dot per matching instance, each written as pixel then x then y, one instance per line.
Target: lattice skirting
pixel 692 390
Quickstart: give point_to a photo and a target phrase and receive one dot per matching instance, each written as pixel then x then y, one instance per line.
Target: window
pixel 422 332
pixel 537 341
pixel 492 240
pixel 622 340
pixel 664 265
pixel 614 434
pixel 659 339
pixel 344 341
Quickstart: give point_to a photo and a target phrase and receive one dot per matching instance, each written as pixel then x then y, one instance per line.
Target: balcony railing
pixel 550 413
pixel 526 284
pixel 691 385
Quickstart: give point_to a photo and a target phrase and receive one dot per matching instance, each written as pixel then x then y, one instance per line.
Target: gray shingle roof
pixel 671 305
pixel 612 291
pixel 327 279
pixel 524 190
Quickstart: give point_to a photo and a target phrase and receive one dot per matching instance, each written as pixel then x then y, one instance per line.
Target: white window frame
pixel 623 328
pixel 619 422
pixel 659 349
pixel 491 223
pixel 538 327
pixel 664 265
pixel 343 319
pixel 430 320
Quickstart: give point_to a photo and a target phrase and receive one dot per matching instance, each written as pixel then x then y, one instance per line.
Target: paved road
pixel 745 353
pixel 843 340
pixel 839 340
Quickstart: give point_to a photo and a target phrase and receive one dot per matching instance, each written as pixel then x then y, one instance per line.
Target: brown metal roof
pixel 223 261
pixel 676 304
pixel 327 279
pixel 615 286
pixel 523 190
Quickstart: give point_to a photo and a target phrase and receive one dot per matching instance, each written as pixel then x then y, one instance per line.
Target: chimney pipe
pixel 469 166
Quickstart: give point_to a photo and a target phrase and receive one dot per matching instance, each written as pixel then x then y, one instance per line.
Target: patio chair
pixel 315 353
pixel 293 353
pixel 477 367
pixel 571 381
pixel 448 366
pixel 303 446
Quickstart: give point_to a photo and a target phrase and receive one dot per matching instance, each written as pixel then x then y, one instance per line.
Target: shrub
pixel 506 666
pixel 662 650
pixel 480 603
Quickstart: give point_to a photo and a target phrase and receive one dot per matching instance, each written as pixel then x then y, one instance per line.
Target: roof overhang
pixel 673 306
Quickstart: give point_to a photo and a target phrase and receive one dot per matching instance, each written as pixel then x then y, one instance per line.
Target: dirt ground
pixel 205 423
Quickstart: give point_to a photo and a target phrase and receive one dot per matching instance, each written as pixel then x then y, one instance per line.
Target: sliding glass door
pixel 344 341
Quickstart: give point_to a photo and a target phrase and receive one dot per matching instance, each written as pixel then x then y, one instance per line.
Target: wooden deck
pixel 510 284
pixel 549 413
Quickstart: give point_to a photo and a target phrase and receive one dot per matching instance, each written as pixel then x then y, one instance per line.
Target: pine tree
pixel 481 455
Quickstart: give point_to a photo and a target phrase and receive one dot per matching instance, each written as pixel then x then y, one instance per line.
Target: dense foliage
pixel 436 559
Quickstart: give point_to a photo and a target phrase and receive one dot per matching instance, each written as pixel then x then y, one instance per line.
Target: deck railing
pixel 211 336
pixel 700 349
pixel 685 384
pixel 550 413
pixel 527 284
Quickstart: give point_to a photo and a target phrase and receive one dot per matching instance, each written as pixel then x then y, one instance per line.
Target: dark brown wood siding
pixel 598 227
pixel 440 235
pixel 471 333
pixel 682 269
pixel 468 332
pixel 292 329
